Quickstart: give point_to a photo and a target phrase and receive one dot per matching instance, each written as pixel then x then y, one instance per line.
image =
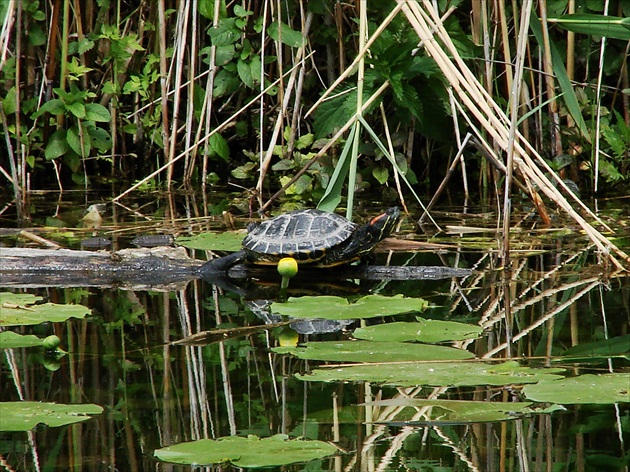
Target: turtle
pixel 312 237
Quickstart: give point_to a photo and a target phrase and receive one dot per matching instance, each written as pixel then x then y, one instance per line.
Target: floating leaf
pixel 456 411
pixel 603 349
pixel 9 340
pixel 435 374
pixel 426 331
pixel 226 241
pixel 24 416
pixel 337 308
pixel 367 351
pixel 19 309
pixel 588 388
pixel 251 451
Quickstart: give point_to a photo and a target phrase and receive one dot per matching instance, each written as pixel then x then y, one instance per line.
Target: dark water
pixel 156 394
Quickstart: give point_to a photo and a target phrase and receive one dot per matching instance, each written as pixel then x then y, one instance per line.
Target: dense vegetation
pixel 206 91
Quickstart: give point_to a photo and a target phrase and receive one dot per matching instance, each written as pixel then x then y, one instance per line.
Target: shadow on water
pixel 559 314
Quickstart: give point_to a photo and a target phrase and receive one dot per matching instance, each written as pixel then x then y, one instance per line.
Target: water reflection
pixel 156 393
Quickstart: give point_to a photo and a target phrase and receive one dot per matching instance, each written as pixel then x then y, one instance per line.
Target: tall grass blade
pixel 332 196
pixel 613 27
pixel 570 99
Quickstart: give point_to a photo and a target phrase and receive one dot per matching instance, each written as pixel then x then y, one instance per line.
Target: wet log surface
pixel 170 268
pixel 161 266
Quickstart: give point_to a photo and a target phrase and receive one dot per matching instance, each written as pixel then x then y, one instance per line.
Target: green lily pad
pixel 435 374
pixel 9 340
pixel 20 309
pixel 251 451
pixel 604 349
pixel 24 416
pixel 458 411
pixel 368 351
pixel 226 241
pixel 426 331
pixel 588 388
pixel 337 308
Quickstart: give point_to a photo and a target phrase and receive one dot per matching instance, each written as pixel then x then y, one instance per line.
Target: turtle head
pixel 375 230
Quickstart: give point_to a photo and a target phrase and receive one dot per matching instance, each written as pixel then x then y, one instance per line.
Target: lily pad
pixel 251 451
pixel 24 416
pixel 604 349
pixel 426 331
pixel 20 309
pixel 435 374
pixel 368 351
pixel 225 241
pixel 337 308
pixel 9 340
pixel 457 411
pixel 588 388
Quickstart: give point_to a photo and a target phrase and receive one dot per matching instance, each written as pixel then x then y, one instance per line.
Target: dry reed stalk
pixel 494 121
pixel 327 146
pixel 598 105
pixel 163 87
pixel 515 95
pixel 177 64
pixel 218 129
pixel 285 100
pixel 362 51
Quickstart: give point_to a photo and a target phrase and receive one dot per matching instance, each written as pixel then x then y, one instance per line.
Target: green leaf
pixel 77 109
pixel 426 331
pixel 220 146
pixel 334 189
pixel 97 112
pixel 9 102
pixel 100 138
pixel 24 416
pixel 245 73
pixel 54 107
pixel 282 32
pixel 381 174
pixel 337 308
pixel 304 141
pixel 302 185
pixel 20 309
pixel 588 388
pixel 368 351
pixel 614 27
pixel 244 171
pixel 251 451
pixel 570 99
pixel 435 374
pixel 10 340
pixel 82 148
pixel 36 35
pixel 57 145
pixel 225 241
pixel 603 349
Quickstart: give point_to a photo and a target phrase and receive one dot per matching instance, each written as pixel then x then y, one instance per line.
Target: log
pixel 143 268
pixel 169 268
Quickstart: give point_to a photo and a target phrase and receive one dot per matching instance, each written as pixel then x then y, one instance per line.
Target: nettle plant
pixel 80 133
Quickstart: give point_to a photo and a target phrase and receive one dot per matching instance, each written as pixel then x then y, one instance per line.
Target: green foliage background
pixel 118 89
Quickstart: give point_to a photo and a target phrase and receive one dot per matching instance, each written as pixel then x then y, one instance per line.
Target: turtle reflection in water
pixel 312 237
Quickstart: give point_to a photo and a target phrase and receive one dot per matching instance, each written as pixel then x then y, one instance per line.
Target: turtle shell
pixel 306 235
